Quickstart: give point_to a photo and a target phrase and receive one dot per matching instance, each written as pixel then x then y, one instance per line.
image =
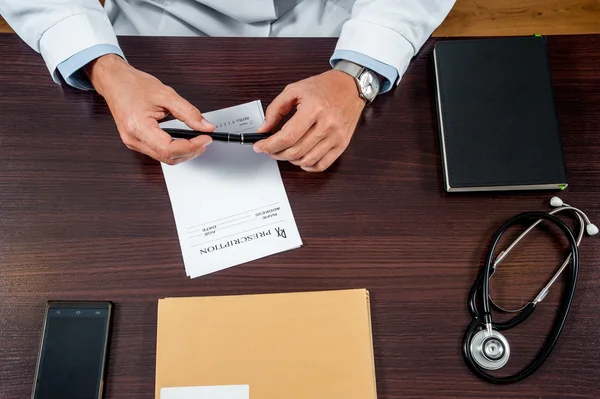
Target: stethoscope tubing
pixel 480 319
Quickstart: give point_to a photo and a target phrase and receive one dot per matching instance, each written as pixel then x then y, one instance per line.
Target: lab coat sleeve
pixel 389 32
pixel 59 29
pixel 71 68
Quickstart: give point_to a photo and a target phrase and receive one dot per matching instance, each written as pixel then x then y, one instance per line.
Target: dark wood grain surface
pixel 82 217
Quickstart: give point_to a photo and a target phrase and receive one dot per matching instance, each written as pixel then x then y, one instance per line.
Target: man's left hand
pixel 328 108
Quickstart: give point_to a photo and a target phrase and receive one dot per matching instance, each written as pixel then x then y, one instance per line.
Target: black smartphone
pixel 73 351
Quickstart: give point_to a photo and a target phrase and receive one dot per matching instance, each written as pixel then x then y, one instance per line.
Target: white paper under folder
pixel 207 392
pixel 230 205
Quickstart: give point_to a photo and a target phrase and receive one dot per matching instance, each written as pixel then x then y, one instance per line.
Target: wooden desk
pixel 82 217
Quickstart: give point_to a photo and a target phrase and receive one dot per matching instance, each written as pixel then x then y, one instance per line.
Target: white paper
pixel 207 392
pixel 230 204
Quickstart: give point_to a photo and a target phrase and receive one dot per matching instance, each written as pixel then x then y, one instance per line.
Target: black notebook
pixel 497 121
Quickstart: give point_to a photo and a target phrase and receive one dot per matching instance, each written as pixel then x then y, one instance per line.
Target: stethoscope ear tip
pixel 591 229
pixel 556 202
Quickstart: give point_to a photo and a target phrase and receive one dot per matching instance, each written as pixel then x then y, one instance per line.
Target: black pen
pixel 242 138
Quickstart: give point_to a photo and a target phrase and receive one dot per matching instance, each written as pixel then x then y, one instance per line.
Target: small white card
pixel 207 392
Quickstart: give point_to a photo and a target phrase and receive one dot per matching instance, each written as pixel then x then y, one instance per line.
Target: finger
pixel 303 146
pixel 141 147
pixel 136 145
pixel 168 149
pixel 181 109
pixel 173 161
pixel 280 107
pixel 315 154
pixel 290 133
pixel 325 161
pixel 201 142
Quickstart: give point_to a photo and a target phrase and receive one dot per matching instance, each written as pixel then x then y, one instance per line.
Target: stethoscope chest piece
pixel 490 350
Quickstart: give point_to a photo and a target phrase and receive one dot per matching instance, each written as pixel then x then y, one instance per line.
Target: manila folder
pixel 284 346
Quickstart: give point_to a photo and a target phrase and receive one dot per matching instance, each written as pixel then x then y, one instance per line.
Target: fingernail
pixel 207 124
pixel 256 149
pixel 209 142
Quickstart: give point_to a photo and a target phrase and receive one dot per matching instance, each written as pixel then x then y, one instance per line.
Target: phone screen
pixel 72 356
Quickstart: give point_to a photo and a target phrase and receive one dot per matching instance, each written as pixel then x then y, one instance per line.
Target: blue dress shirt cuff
pixel 388 72
pixel 71 71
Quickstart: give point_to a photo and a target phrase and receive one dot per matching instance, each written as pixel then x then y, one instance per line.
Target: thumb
pixel 280 107
pixel 181 109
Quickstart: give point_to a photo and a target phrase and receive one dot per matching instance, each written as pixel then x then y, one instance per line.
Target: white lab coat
pixel 389 31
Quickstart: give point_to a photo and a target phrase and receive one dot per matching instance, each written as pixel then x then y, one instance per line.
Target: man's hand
pixel 328 108
pixel 138 101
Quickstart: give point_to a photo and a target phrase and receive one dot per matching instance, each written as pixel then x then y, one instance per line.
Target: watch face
pixel 369 85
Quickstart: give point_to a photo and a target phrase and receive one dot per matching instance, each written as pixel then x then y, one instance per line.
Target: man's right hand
pixel 138 101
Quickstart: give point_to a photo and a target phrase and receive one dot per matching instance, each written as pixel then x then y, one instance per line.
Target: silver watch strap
pixel 349 67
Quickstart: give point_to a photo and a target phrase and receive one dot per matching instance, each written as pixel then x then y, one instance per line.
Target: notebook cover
pixel 497 119
pixel 292 346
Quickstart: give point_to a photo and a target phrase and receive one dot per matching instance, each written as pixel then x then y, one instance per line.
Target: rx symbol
pixel 280 232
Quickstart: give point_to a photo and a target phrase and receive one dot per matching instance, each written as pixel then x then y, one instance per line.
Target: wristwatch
pixel 366 81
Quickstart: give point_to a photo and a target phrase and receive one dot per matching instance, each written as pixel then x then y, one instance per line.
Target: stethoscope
pixel 484 347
